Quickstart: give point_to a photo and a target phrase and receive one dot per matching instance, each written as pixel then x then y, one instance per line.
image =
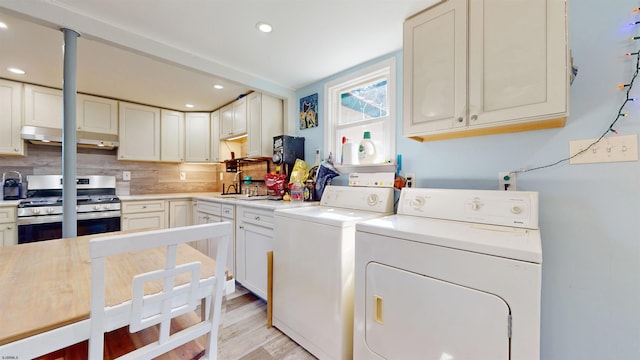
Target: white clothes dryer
pixel 454 275
pixel 313 257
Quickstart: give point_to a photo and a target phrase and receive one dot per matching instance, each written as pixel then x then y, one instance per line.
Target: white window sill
pixel 347 169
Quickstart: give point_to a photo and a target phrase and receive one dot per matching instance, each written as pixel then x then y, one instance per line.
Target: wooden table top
pixel 46 285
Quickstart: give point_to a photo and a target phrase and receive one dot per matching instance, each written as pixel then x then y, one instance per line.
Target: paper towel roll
pixel 349 153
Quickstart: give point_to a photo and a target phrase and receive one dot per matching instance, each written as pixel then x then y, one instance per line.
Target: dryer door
pixel 411 316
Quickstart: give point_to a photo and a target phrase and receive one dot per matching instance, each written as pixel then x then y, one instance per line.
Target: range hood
pixel 51 136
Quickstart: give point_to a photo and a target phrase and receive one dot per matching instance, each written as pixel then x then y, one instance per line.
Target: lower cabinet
pixel 254 238
pixel 8 227
pixel 149 215
pixel 207 212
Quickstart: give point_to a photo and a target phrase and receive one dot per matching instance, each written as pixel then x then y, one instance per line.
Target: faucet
pixel 235 176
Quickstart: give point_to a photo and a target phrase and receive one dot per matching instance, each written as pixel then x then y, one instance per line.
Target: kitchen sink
pixel 253 197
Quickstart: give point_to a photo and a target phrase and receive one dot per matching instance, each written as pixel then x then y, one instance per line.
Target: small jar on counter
pixel 309 190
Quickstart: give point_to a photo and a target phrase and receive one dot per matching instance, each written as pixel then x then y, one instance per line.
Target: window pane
pixel 364 102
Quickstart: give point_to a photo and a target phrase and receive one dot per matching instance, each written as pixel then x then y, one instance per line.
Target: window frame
pixel 334 88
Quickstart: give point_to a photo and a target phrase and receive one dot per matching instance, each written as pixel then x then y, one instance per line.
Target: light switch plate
pixel 609 149
pixel 126 175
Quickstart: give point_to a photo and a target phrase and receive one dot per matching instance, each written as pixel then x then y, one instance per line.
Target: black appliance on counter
pixel 11 186
pixel 286 149
pixel 40 213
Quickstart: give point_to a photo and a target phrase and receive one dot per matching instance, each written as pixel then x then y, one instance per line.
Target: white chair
pixel 143 311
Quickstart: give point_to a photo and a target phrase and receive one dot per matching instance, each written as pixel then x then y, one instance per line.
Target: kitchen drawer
pixel 129 207
pixel 7 214
pixel 256 216
pixel 228 211
pixel 209 207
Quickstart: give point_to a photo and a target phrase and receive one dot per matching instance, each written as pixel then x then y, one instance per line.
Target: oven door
pixel 48 227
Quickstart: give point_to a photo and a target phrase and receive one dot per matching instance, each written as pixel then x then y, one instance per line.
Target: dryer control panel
pixel 505 208
pixel 376 199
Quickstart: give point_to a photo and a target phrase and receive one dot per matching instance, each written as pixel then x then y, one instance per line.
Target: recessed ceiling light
pixel 219 87
pixel 264 27
pixel 189 105
pixel 3 25
pixel 16 71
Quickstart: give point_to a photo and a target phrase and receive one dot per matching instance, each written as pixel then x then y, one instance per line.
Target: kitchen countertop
pixel 218 197
pixel 9 202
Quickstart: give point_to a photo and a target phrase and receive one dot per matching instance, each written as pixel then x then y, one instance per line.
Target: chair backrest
pixel 172 286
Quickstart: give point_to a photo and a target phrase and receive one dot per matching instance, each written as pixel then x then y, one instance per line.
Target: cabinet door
pixel 435 73
pixel 226 121
pixel 198 129
pixel 8 235
pixel 148 221
pixel 253 242
pixel 42 106
pixel 215 136
pixel 240 116
pixel 206 246
pixel 172 136
pixel 180 213
pixel 139 132
pixel 254 121
pixel 10 118
pixel 96 114
pixel 517 64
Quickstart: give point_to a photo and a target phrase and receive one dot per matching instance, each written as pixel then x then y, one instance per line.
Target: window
pixel 359 102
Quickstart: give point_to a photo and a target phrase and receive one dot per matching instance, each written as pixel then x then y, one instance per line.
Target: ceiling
pixel 168 53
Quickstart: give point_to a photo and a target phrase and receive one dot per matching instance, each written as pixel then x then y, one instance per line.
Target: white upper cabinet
pixel 215 136
pixel 264 121
pixel 198 130
pixel 139 132
pixel 233 119
pixel 96 114
pixel 10 118
pixel 172 136
pixel 493 70
pixel 42 106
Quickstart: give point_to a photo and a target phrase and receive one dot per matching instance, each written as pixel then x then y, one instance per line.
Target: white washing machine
pixel 313 258
pixel 454 275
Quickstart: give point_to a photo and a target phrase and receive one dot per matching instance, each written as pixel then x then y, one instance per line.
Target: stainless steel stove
pixel 40 214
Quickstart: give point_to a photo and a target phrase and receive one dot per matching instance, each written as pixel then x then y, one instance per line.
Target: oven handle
pixel 48 219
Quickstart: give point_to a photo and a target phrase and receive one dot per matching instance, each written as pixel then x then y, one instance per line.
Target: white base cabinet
pixel 8 227
pixel 149 215
pixel 254 239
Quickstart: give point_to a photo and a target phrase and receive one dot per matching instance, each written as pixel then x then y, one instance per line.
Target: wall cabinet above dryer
pixel 483 67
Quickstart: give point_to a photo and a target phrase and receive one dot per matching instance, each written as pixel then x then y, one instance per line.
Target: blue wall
pixel 589 214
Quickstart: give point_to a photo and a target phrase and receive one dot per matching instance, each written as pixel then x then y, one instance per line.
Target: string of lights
pixel 628 86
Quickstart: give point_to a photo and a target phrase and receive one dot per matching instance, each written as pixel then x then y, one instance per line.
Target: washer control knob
pixel 476 205
pixel 417 203
pixel 373 199
pixel 516 210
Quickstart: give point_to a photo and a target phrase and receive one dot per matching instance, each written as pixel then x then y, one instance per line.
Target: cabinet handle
pixel 474 117
pixel 257 218
pixel 8 227
pixel 144 206
pixel 241 227
pixel 16 150
pixel 460 119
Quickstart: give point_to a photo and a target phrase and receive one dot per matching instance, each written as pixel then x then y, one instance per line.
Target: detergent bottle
pixel 367 150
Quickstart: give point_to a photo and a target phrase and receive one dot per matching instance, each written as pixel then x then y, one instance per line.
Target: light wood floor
pixel 244 334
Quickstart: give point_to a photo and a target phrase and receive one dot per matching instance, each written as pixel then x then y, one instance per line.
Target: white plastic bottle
pixel 367 150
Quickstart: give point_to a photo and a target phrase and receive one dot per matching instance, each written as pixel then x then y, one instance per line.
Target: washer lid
pixel 328 215
pixel 503 241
